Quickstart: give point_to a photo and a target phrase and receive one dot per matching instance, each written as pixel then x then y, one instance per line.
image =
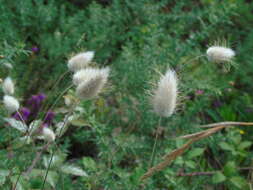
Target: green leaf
pixel 230 169
pixel 89 163
pixel 34 125
pixel 74 170
pixel 190 164
pixel 218 177
pixel 238 182
pixel 3 175
pixel 244 144
pixel 195 152
pixel 16 124
pixel 61 128
pixel 226 146
pixel 57 160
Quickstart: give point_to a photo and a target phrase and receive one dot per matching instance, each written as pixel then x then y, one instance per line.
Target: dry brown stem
pixel 167 159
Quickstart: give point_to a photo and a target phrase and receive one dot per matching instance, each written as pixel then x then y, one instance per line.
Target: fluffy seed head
pixel 86 74
pixel 220 54
pixel 92 84
pixel 11 103
pixel 165 96
pixel 80 61
pixel 48 134
pixel 8 86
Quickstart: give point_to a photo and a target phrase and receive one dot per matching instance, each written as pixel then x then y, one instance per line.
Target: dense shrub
pixel 113 138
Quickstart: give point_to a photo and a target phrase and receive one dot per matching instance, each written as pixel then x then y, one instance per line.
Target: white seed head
pixel 8 86
pixel 48 134
pixel 11 103
pixel 86 74
pixel 92 84
pixel 80 61
pixel 220 54
pixel 165 96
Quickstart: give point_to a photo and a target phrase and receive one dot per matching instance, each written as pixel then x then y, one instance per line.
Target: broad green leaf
pixel 244 144
pixel 52 178
pixel 230 169
pixel 238 182
pixel 57 160
pixel 218 177
pixel 79 122
pixel 226 146
pixel 195 152
pixel 74 170
pixel 190 164
pixel 16 124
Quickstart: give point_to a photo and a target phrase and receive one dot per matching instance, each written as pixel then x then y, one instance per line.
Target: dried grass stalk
pixel 193 138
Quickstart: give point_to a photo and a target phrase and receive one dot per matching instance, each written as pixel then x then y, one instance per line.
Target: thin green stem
pixel 52 155
pixel 155 144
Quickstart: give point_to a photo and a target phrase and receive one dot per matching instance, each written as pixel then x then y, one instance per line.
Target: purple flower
pixel 35 103
pixel 24 112
pixel 217 103
pixel 49 118
pixel 35 49
pixel 199 92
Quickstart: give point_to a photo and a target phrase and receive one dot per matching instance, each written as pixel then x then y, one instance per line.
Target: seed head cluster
pixel 89 81
pixel 80 61
pixel 165 96
pixel 220 54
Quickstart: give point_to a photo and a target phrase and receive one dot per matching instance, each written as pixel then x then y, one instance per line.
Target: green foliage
pixel 111 138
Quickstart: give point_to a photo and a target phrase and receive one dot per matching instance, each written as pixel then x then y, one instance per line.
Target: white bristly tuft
pixel 8 86
pixel 48 134
pixel 11 103
pixel 92 82
pixel 220 54
pixel 80 61
pixel 165 96
pixel 86 74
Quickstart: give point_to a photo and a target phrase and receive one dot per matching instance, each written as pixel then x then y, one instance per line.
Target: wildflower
pixel 35 49
pixel 8 86
pixel 49 118
pixel 24 112
pixel 11 103
pixel 80 61
pixel 220 54
pixel 199 92
pixel 48 134
pixel 164 98
pixel 35 103
pixel 92 84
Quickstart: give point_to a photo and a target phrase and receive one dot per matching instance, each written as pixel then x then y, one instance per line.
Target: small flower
pixel 8 86
pixel 35 49
pixel 11 103
pixel 199 92
pixel 92 84
pixel 80 61
pixel 49 118
pixel 220 54
pixel 35 102
pixel 48 134
pixel 165 96
pixel 25 113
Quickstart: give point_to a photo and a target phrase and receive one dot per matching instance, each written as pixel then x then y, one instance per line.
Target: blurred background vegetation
pixel 113 139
